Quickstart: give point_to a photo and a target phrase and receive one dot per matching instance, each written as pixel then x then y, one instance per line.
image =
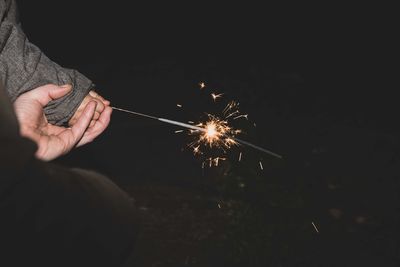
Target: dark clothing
pixel 54 216
pixel 50 215
pixel 24 67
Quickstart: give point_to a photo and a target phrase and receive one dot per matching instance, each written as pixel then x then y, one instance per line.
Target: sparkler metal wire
pixel 197 128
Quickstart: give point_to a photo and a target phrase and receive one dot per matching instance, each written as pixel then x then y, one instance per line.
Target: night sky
pixel 320 88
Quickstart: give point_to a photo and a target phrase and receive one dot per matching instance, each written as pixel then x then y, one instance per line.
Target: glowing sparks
pixel 246 116
pixel 217 133
pixel 214 136
pixel 236 112
pixel 214 161
pixel 231 106
pixel 216 96
pixel 211 131
pixel 196 150
pixel 315 227
pixel 261 166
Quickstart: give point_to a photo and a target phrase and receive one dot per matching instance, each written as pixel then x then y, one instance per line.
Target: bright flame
pixel 211 132
pixel 216 134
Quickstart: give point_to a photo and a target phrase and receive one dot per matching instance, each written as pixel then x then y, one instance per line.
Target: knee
pixel 113 220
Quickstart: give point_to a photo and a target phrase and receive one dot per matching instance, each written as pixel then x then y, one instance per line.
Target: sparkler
pixel 214 132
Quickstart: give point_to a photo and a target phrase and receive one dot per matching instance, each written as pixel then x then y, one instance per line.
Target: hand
pixel 102 104
pixel 53 141
pixel 100 120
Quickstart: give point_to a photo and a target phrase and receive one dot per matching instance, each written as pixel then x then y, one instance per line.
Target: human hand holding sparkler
pixel 100 119
pixel 53 141
pixel 102 104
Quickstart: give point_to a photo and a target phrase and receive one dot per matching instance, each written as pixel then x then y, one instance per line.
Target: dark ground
pixel 321 94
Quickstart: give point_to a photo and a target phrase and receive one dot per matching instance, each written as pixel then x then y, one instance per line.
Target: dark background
pixel 321 88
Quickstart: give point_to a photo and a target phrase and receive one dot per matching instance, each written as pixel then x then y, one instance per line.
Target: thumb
pixel 60 91
pixel 47 93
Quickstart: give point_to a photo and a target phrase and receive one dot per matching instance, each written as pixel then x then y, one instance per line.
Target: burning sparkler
pixel 213 133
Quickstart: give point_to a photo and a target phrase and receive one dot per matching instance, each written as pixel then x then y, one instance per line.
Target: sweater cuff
pixel 60 111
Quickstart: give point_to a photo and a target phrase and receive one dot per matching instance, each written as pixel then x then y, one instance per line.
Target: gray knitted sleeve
pixel 24 67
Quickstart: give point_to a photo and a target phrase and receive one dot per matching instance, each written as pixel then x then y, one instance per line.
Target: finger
pixel 96 95
pixel 105 102
pixel 96 116
pixel 92 123
pixel 61 91
pixel 101 124
pixel 72 121
pixel 47 93
pixel 93 93
pixel 100 105
pixel 79 110
pixel 77 131
pixel 99 108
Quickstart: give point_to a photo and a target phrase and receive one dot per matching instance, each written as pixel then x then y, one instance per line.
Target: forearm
pixel 24 67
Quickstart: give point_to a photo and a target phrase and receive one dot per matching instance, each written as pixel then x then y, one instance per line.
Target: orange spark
pixel 242 116
pixel 196 150
pixel 216 96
